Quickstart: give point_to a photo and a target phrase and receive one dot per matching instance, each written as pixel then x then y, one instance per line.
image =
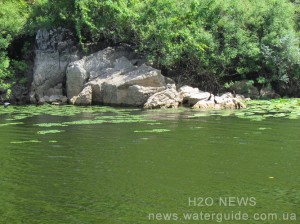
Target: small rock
pixel 226 101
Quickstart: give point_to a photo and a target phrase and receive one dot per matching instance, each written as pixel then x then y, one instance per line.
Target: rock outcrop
pixel 112 76
pixel 198 99
pixel 117 76
pixel 55 50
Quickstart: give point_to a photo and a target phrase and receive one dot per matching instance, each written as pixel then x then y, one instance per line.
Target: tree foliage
pixel 13 17
pixel 209 42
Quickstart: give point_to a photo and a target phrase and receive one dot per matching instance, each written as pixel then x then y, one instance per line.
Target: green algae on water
pixel 46 125
pixel 49 132
pixel 257 110
pixel 52 141
pixel 83 122
pixel 152 131
pixel 22 142
pixel 22 112
pixel 8 124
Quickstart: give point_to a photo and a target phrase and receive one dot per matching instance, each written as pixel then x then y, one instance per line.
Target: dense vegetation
pixel 210 43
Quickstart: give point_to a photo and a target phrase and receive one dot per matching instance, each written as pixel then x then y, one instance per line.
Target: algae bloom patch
pixel 8 124
pixel 49 132
pixel 152 131
pixel 28 141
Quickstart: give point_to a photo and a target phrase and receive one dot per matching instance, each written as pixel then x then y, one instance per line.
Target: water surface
pixel 118 166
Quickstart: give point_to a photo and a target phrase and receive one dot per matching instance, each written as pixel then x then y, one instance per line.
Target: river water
pixel 119 166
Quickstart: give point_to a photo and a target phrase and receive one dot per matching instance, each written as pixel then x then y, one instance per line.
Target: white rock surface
pixel 192 95
pixel 55 50
pixel 116 76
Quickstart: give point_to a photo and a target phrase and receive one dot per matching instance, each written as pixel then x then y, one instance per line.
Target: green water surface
pixel 113 166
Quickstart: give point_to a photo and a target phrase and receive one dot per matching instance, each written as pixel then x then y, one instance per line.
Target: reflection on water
pixel 117 171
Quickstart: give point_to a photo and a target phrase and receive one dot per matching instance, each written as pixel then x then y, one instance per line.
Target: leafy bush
pixel 12 20
pixel 205 42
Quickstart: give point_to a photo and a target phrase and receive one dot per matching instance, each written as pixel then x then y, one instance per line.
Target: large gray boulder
pixel 117 76
pixel 55 50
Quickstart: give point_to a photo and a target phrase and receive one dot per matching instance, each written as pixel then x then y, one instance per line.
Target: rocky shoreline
pixel 112 76
pixel 63 74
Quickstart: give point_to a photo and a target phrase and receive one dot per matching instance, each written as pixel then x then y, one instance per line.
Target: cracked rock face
pixel 84 98
pixel 117 76
pixel 55 50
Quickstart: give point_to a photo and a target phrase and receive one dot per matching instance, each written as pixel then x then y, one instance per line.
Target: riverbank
pixel 118 76
pixel 249 52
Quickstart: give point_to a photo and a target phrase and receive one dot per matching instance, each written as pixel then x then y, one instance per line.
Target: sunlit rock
pixel 226 101
pixel 55 50
pixel 192 95
pixel 117 76
pixel 84 98
pixel 168 98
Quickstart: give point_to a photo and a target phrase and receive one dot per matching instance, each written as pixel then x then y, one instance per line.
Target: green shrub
pixel 12 20
pixel 205 42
